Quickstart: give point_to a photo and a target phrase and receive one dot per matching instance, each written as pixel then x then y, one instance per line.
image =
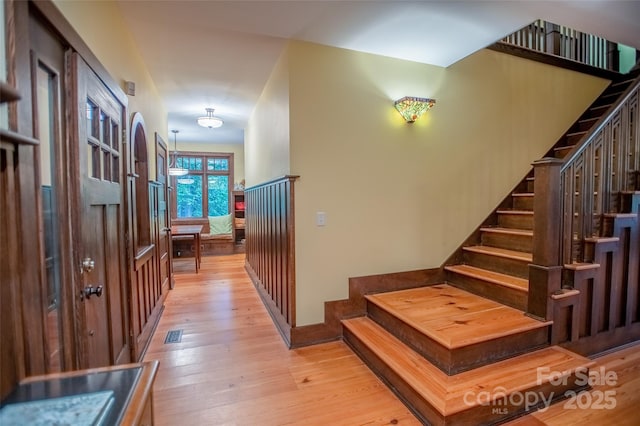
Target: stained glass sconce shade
pixel 412 108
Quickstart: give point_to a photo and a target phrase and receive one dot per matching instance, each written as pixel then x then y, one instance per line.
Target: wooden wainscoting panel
pixel 270 248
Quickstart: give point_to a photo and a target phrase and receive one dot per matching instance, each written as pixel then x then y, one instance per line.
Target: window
pixel 206 190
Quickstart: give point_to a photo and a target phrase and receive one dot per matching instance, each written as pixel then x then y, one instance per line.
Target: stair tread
pixel 603 106
pixel 501 252
pixel 622 82
pixel 609 92
pixel 576 266
pixel 493 277
pixel 563 147
pixel 510 231
pixel 515 212
pixel 446 393
pixel 454 317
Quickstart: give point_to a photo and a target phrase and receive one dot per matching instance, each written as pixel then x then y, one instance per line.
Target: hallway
pixel 231 367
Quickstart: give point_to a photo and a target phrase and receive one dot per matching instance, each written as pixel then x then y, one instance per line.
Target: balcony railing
pixel 567 43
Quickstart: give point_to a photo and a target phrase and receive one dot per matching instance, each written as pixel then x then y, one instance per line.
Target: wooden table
pixel 189 231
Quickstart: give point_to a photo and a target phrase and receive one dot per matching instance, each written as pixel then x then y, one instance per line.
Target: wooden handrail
pixel 597 127
pixel 272 181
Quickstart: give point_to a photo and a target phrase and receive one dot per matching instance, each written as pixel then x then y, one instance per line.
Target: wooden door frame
pixel 161 144
pixel 68 335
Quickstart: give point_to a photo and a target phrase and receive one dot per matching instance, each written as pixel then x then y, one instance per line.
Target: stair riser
pixel 609 96
pixel 523 203
pixel 596 112
pixel 621 86
pixel 522 243
pixel 562 151
pixel 517 268
pixel 457 360
pixel 530 186
pixel 433 351
pixel 505 295
pixel 515 221
pixel 573 139
pixel 585 125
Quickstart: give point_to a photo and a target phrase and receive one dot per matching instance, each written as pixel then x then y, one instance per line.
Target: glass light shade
pixel 177 171
pixel 186 181
pixel 412 108
pixel 209 120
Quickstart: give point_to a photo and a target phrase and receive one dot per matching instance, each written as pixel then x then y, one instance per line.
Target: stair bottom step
pixel 454 329
pixel 486 395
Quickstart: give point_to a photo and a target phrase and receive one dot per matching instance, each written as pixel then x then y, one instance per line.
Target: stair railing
pixel 573 194
pixel 595 173
pixel 565 42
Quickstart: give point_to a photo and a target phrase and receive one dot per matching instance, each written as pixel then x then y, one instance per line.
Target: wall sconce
pixel 412 108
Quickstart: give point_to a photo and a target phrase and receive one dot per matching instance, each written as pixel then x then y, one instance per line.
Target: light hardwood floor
pixel 232 367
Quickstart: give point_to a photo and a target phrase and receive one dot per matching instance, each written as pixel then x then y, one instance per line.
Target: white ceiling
pixel 219 54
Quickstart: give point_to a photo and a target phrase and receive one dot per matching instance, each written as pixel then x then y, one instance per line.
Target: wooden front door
pixel 164 226
pixel 101 285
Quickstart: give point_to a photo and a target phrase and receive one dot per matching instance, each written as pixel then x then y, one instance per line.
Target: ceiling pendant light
pixel 173 170
pixel 209 120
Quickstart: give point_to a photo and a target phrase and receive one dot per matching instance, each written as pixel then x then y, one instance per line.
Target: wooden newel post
pixel 552 38
pixel 613 56
pixel 545 272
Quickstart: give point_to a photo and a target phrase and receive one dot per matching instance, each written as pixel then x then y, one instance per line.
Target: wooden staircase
pixel 497 266
pixel 463 351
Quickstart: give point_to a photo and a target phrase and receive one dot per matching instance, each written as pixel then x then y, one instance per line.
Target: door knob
pixel 89 290
pixel 88 264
